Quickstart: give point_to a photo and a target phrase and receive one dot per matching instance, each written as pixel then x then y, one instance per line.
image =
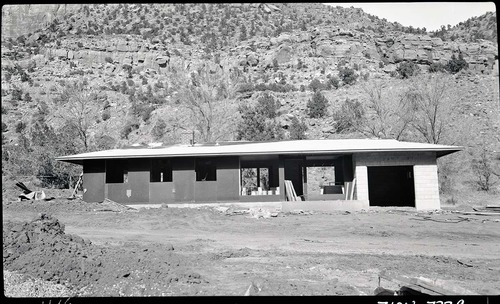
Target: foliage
pixel 483 169
pixel 316 85
pixel 317 105
pixel 259 123
pixel 298 129
pixel 407 69
pixel 332 82
pixel 78 108
pixel 208 94
pixel 349 117
pixel 128 128
pixel 268 106
pixel 347 75
pixel 159 129
pixel 437 67
pixel 455 64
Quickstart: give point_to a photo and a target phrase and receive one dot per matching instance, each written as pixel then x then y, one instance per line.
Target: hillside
pixel 137 65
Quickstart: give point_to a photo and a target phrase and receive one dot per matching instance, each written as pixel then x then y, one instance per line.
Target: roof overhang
pixel 310 147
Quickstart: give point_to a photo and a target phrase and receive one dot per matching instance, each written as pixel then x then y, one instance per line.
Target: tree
pixel 408 69
pixel 258 123
pixel 79 110
pixel 454 65
pixel 392 115
pixel 482 168
pixel 298 129
pixel 349 117
pixel 208 94
pixel 427 97
pixel 159 129
pixel 317 105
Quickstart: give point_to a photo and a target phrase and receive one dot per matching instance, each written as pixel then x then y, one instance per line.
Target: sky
pixel 430 15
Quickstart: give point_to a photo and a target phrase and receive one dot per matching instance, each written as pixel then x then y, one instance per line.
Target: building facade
pixel 367 172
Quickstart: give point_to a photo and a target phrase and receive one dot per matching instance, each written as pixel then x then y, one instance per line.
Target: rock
pixel 284 54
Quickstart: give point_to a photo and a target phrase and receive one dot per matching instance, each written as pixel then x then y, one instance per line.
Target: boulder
pixel 284 54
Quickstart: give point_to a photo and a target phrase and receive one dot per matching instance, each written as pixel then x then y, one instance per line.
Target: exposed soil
pixel 204 251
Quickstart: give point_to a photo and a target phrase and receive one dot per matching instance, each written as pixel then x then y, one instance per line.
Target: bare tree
pixel 208 93
pixel 78 108
pixel 428 97
pixel 388 116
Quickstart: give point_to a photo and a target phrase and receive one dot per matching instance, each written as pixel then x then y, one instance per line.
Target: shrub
pixel 349 116
pixel 128 128
pixel 333 82
pixel 298 129
pixel 17 94
pixel 317 105
pixel 20 127
pixel 482 167
pixel 455 65
pixel 437 67
pixel 316 85
pixel 159 129
pixel 245 87
pixel 347 75
pixel 268 106
pixel 407 69
pixel 4 127
pixel 105 115
pixel 108 59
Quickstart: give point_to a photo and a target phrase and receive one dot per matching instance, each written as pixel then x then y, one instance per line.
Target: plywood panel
pixel 184 178
pixel 205 191
pixel 228 183
pixel 93 180
pixel 161 192
pixel 138 180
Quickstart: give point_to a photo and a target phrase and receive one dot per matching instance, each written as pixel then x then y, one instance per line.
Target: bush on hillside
pixel 317 105
pixel 436 67
pixel 347 75
pixel 455 64
pixel 298 129
pixel 316 85
pixel 407 69
pixel 349 116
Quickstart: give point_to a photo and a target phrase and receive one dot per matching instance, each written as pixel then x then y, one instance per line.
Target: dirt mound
pixel 41 249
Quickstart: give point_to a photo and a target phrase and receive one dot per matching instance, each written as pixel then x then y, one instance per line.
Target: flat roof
pixel 318 146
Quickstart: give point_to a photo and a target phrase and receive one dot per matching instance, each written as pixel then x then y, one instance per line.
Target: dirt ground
pixel 207 251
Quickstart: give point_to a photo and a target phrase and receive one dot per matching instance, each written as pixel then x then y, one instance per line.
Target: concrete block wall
pixel 424 171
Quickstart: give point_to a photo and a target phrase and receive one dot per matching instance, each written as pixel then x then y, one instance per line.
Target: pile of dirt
pixel 41 249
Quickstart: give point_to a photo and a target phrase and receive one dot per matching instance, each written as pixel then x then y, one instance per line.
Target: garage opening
pixel 391 186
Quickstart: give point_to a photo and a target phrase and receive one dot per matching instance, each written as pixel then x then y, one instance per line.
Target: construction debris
pixel 32 195
pixel 109 205
pixel 477 213
pixel 80 181
pixel 420 286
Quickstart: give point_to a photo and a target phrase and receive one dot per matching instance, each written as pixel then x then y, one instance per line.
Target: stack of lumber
pixel 421 285
pixel 290 191
pixel 488 210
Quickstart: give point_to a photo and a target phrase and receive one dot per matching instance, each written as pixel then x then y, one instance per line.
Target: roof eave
pixel 439 153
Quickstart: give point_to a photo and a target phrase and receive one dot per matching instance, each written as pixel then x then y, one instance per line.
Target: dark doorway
pixel 391 186
pixel 293 172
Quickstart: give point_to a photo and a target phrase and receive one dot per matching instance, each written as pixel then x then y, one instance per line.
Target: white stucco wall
pixel 424 171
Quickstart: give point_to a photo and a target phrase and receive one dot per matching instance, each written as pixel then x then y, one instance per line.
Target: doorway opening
pixel 391 186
